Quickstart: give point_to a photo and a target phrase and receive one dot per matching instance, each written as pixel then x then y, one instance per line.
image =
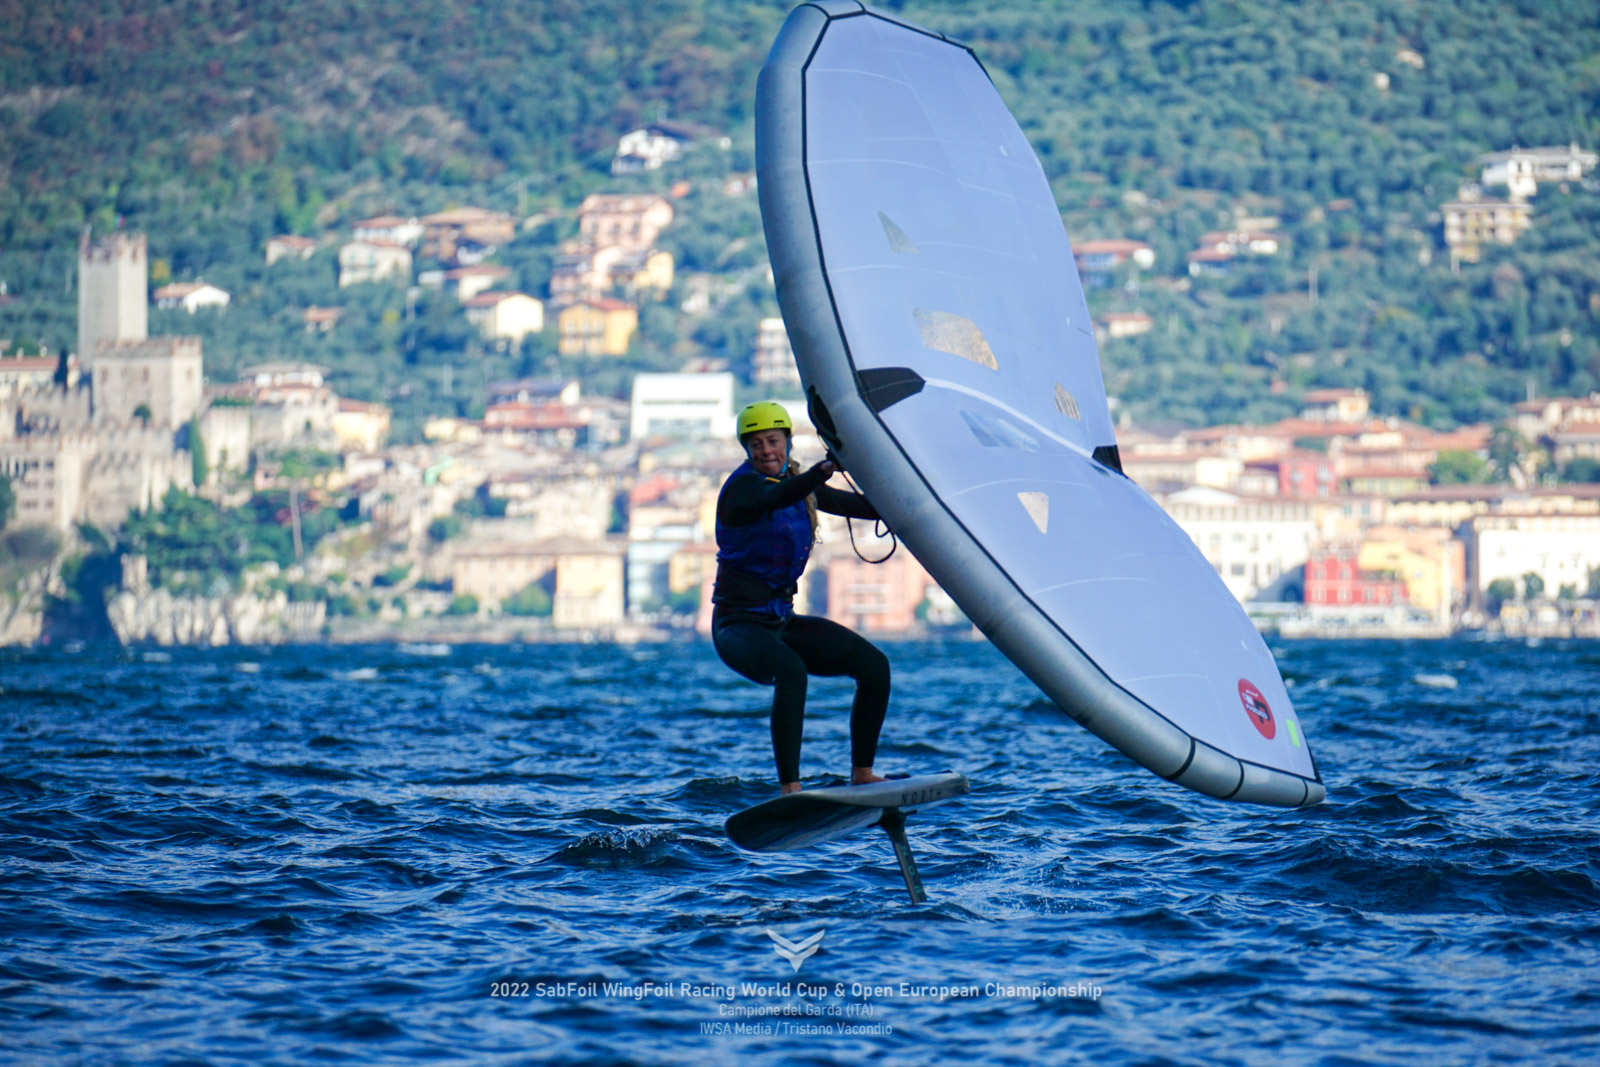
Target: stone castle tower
pixel 112 301
pixel 129 370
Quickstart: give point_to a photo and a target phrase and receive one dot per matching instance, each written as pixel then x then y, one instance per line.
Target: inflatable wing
pixel 941 331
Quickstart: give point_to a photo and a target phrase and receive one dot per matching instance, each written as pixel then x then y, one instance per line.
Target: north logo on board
pixel 1257 708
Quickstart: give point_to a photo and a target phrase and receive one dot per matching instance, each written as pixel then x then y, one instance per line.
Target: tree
pixel 463 604
pixel 1500 590
pixel 1458 467
pixel 1532 585
pixel 534 601
pixel 1506 450
pixel 8 502
pixel 445 527
pixel 197 454
pixel 1581 469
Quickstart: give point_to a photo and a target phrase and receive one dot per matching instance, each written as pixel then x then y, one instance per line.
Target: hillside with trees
pixel 1340 126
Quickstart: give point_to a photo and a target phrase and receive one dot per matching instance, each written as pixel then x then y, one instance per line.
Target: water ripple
pixel 440 854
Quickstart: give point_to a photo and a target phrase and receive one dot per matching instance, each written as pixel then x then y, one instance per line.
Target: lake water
pixel 496 855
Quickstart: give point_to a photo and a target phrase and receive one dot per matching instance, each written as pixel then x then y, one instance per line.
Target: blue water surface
pixel 495 855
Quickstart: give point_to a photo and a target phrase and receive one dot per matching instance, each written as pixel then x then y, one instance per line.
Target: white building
pixel 773 362
pixel 290 246
pixel 645 149
pixel 390 228
pixel 1259 546
pixel 509 315
pixel 371 261
pixel 1560 549
pixel 682 405
pixel 191 296
pixel 1522 169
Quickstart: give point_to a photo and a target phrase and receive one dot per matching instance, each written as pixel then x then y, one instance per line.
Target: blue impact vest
pixel 773 550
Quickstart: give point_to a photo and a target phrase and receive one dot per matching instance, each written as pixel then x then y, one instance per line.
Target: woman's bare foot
pixel 864 776
pixel 788 787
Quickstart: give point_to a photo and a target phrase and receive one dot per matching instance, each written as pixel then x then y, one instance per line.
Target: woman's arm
pixel 749 496
pixel 839 502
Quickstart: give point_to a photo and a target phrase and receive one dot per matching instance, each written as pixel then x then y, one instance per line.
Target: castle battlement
pixel 127 247
pixel 151 347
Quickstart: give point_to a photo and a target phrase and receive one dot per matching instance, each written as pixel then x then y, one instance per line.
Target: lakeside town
pixel 565 514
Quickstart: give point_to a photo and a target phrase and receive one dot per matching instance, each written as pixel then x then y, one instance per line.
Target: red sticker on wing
pixel 1257 708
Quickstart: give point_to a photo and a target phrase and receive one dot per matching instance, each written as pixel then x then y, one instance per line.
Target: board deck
pixel 813 816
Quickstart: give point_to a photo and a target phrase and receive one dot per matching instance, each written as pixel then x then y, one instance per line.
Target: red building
pixel 1333 578
pixel 1302 475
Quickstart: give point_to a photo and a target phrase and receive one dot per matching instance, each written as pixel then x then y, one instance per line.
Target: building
pixel 1209 262
pixel 112 306
pixel 391 229
pixel 876 597
pixel 359 426
pixel 1299 475
pixel 158 380
pixel 645 273
pixel 581 272
pixel 584 578
pixel 1115 325
pixel 773 362
pixel 1334 577
pixel 682 405
pixel 190 296
pixel 1099 260
pixel 465 235
pixel 1472 222
pixel 1241 242
pixel 1429 561
pixel 373 261
pixel 535 391
pixel 656 533
pixel 1522 169
pixel 1335 405
pixel 589 588
pixel 628 221
pixel 1258 546
pixel 19 374
pixel 289 246
pixel 290 405
pixel 99 446
pixel 1561 549
pixel 1160 471
pixel 468 282
pixel 601 327
pixel 646 148
pixel 511 316
pixel 321 320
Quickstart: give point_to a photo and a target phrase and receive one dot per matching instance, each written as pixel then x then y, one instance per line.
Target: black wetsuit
pixel 756 632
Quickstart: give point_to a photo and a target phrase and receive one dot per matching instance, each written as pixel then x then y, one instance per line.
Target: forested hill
pixel 1342 126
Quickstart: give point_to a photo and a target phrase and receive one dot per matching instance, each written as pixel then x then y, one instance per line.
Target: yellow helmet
pixel 764 415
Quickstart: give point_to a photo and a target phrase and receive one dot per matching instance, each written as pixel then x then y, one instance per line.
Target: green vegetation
pixel 1458 467
pixel 393 576
pixel 213 130
pixel 195 547
pixel 463 604
pixel 1500 590
pixel 534 601
pixel 8 502
pixel 446 528
pixel 24 550
pixel 1581 469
